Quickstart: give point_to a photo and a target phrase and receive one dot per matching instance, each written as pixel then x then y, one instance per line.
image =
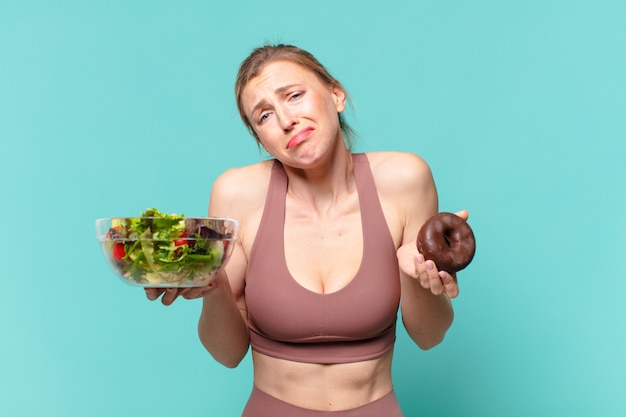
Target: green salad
pixel 165 249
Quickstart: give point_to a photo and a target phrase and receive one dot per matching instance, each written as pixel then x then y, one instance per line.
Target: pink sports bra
pixel 355 323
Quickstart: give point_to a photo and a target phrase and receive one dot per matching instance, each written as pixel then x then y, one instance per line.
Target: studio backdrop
pixel 110 107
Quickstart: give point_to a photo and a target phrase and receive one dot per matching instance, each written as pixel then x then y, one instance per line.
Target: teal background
pixel 109 107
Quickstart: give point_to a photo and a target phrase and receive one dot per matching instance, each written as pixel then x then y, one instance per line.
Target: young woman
pixel 326 252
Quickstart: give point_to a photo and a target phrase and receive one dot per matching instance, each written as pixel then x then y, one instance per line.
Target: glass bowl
pixel 169 251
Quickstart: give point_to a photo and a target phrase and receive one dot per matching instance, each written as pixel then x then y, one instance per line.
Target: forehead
pixel 273 77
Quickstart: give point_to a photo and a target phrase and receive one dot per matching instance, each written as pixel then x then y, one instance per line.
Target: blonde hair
pixel 260 57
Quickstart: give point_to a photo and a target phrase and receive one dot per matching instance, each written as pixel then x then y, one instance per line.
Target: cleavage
pixel 324 256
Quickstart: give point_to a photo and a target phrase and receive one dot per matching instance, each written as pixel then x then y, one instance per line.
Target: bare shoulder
pixel 240 193
pixel 406 190
pixel 238 190
pixel 400 171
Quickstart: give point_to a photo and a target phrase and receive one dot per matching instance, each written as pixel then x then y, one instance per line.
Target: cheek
pixel 267 136
pixel 322 106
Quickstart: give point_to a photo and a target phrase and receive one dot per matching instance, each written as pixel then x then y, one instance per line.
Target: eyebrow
pixel 278 91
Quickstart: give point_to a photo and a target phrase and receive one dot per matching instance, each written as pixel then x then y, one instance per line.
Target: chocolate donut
pixel 447 240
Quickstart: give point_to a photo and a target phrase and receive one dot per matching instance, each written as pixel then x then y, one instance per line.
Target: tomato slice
pixel 181 241
pixel 118 251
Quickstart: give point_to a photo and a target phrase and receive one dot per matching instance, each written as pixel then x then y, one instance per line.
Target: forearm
pixel 221 327
pixel 426 316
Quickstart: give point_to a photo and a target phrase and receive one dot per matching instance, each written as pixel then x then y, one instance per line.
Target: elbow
pixel 229 361
pixel 228 354
pixel 429 342
pixel 230 358
pixel 428 338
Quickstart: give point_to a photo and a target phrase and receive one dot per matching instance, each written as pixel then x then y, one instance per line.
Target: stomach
pixel 323 387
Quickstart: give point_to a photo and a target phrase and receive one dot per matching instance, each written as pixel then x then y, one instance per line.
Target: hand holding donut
pixel 447 240
pixel 424 268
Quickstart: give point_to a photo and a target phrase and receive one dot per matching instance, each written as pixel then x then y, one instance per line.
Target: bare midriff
pixel 323 387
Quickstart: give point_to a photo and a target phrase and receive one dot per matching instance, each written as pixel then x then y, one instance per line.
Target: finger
pixel 450 285
pixel 435 284
pixel 464 214
pixel 191 293
pixel 421 272
pixel 154 293
pixel 197 292
pixel 169 296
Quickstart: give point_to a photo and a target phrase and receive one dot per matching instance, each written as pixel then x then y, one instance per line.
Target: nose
pixel 286 118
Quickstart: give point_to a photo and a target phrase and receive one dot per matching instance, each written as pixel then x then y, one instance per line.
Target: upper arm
pixel 408 193
pixel 423 201
pixel 238 194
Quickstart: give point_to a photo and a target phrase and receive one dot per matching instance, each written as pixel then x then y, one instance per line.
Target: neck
pixel 323 186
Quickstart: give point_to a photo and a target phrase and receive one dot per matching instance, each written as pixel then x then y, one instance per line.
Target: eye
pixel 263 117
pixel 295 96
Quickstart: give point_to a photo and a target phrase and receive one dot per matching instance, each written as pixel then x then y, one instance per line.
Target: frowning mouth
pixel 299 137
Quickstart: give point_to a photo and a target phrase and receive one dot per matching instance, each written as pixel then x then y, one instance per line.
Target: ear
pixel 339 95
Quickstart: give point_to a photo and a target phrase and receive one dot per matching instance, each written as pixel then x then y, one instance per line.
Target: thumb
pixel 464 214
pixel 406 259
